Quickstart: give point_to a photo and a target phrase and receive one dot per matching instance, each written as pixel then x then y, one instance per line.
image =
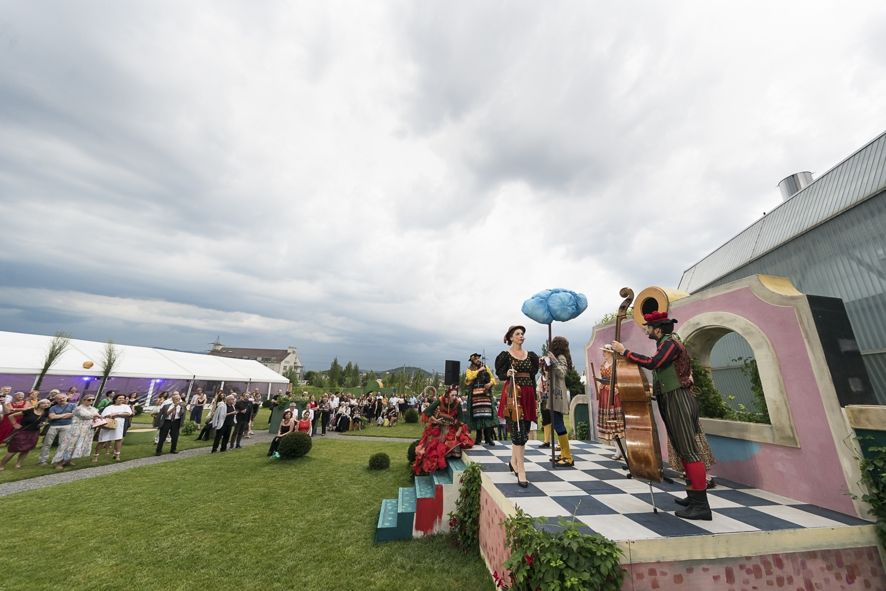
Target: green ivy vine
pixel 873 474
pixel 464 522
pixel 567 560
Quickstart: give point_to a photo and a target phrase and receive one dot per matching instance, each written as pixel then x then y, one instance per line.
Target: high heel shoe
pixel 116 456
pixel 512 469
pixel 522 483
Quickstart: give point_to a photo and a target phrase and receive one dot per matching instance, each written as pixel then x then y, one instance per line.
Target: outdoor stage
pixel 756 539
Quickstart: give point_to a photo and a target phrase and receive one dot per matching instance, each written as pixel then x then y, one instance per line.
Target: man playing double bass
pixel 672 381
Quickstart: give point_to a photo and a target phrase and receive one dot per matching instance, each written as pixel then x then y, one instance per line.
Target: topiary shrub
pixel 410 416
pixel 410 453
pixel 138 409
pixel 379 461
pixel 189 428
pixel 582 431
pixel 295 445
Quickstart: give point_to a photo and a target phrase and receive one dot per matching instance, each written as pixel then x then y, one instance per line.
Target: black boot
pixel 698 506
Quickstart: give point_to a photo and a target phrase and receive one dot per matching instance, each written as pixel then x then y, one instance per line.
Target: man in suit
pixel 222 422
pixel 244 413
pixel 171 415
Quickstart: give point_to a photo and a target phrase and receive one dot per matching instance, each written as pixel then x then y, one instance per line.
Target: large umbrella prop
pixel 547 306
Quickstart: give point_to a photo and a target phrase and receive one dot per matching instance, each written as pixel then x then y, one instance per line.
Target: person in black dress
pixel 515 366
pixel 287 424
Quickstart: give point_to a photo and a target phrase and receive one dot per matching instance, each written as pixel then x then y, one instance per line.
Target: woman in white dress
pixel 77 443
pixel 117 410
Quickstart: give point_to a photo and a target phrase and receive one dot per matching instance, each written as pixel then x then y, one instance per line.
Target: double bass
pixel 642 453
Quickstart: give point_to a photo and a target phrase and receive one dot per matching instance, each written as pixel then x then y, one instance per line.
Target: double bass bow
pixel 513 408
pixel 643 454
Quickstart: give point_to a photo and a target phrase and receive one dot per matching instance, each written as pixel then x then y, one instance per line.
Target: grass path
pixel 235 521
pixel 138 443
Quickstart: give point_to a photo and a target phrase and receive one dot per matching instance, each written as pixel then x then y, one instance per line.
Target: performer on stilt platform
pixel 517 368
pixel 481 403
pixel 672 384
pixel 560 362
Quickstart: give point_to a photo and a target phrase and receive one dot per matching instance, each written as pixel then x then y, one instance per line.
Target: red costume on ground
pixel 445 436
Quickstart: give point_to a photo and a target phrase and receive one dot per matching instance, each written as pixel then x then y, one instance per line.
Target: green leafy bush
pixel 410 453
pixel 189 428
pixel 379 461
pixel 464 522
pixel 710 402
pixel 873 475
pixel 138 409
pixel 410 416
pixel 582 431
pixel 295 445
pixel 565 560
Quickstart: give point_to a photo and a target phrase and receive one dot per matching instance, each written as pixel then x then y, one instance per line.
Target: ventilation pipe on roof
pixel 791 185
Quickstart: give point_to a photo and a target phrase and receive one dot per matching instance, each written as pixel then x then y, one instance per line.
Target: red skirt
pixel 23 441
pixel 436 443
pixel 526 397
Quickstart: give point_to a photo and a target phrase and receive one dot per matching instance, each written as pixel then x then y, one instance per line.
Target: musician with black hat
pixel 672 384
pixel 481 404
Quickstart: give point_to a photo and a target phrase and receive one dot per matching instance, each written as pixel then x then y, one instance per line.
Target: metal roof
pixel 858 177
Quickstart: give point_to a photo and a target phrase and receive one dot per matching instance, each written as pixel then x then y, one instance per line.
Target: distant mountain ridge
pixel 408 370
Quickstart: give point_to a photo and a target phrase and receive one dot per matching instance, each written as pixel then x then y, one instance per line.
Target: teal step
pixel 424 487
pixel 406 500
pixel 406 507
pixel 455 465
pixel 442 478
pixel 386 530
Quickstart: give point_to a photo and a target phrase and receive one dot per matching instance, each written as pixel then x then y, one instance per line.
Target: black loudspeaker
pixel 848 371
pixel 453 369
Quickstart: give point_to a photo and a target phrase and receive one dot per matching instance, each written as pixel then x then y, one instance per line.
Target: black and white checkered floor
pixel 597 492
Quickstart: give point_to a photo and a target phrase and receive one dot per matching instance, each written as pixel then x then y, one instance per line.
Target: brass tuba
pixel 655 299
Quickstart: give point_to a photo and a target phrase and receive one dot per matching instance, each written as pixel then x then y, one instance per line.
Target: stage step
pixel 386 529
pixel 421 509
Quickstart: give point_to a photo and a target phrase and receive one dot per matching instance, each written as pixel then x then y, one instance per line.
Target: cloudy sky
pixel 387 182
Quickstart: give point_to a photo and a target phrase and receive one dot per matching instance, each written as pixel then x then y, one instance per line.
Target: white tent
pixel 23 354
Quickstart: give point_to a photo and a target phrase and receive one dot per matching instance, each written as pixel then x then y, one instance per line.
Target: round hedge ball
pixel 379 461
pixel 410 453
pixel 411 415
pixel 294 445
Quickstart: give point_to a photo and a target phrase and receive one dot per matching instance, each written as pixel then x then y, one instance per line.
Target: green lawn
pixel 135 445
pixel 235 521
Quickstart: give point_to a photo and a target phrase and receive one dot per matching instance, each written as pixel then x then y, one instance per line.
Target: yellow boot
pixel 565 454
pixel 547 441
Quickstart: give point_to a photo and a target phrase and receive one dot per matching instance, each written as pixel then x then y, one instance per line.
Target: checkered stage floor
pixel 597 492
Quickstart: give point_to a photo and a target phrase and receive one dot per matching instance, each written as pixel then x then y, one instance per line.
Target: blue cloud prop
pixel 555 304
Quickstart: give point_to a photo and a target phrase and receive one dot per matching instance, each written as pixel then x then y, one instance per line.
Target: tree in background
pixel 109 360
pixel 334 374
pixel 316 379
pixel 58 345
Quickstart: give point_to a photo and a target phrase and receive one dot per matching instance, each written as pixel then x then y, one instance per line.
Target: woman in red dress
pixel 304 425
pixel 12 415
pixel 517 367
pixel 445 435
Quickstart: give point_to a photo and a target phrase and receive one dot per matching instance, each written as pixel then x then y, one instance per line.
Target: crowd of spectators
pixel 72 422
